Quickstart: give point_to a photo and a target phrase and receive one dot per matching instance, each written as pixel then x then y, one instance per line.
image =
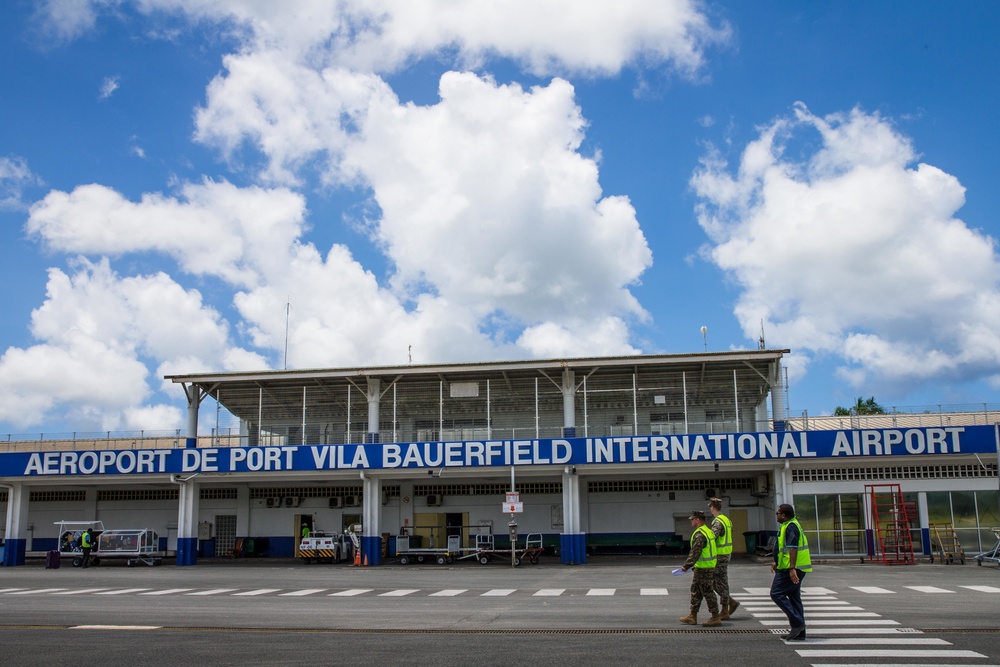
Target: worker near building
pixel 791 563
pixel 86 544
pixel 722 527
pixel 702 558
pixel 305 531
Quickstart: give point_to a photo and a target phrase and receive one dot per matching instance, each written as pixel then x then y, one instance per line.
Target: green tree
pixel 862 407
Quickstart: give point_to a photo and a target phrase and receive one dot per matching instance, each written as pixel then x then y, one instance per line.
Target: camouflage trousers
pixel 721 583
pixel 703 587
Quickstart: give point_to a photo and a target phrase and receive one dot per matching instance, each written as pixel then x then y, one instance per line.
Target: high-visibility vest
pixel 707 558
pixel 724 542
pixel 802 560
pixel 85 540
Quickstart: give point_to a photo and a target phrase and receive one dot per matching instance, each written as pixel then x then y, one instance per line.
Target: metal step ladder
pixel 945 543
pixel 890 524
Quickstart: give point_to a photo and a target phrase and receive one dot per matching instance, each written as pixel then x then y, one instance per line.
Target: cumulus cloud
pixel 97 331
pixel 852 249
pixel 499 240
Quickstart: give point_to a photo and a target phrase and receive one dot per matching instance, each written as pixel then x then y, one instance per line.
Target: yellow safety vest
pixel 724 542
pixel 802 560
pixel 707 558
pixel 85 540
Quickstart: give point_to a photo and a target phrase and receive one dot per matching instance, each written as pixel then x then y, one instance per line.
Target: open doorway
pixel 303 527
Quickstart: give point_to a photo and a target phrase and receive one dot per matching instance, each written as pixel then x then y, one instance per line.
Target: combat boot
pixel 724 613
pixel 713 622
pixel 690 619
pixel 733 604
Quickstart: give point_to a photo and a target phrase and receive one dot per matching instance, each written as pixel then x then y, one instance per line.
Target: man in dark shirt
pixel 791 563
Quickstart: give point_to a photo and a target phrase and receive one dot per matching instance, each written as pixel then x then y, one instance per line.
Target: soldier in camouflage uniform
pixel 702 559
pixel 723 529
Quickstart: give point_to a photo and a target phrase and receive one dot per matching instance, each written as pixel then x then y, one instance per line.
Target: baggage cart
pixel 486 551
pixel 993 555
pixel 407 554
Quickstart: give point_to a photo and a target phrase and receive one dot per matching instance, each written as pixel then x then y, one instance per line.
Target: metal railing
pixel 896 417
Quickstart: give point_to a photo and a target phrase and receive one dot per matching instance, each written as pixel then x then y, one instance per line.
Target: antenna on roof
pixel 409 353
pixel 288 308
pixel 760 341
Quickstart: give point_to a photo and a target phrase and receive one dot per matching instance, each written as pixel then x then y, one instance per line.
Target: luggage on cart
pixel 52 560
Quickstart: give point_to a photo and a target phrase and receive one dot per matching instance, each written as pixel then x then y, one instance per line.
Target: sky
pixel 235 185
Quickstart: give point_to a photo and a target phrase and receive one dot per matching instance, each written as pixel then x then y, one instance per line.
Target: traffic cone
pixel 357 557
pixel 366 560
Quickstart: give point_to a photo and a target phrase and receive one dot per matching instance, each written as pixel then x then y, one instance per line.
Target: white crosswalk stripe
pixel 839 630
pixel 304 592
pixel 653 591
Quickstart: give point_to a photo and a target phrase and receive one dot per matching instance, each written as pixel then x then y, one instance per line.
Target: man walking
pixel 791 563
pixel 722 527
pixel 86 544
pixel 703 559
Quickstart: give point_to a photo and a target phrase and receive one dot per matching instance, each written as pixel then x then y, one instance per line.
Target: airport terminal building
pixel 593 455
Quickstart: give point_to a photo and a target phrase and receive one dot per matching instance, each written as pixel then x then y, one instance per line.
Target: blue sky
pixel 443 181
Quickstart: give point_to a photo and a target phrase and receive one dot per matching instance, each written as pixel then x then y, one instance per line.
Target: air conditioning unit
pixel 759 486
pixel 336 502
pixel 291 501
pixel 274 502
pixel 352 501
pixel 433 500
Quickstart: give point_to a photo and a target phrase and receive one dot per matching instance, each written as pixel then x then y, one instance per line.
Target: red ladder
pixel 890 523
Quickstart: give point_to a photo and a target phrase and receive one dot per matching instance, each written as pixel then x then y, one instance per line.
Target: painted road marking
pixel 304 592
pixel 449 593
pixel 350 592
pixel 259 591
pixel 601 591
pixel 653 591
pixel 549 592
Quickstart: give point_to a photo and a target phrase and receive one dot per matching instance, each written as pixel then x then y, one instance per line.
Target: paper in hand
pixel 677 572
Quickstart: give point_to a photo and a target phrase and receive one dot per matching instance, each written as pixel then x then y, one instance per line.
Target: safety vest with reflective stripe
pixel 707 558
pixel 85 540
pixel 724 542
pixel 802 560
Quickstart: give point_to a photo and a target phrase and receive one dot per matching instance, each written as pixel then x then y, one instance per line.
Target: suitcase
pixel 52 560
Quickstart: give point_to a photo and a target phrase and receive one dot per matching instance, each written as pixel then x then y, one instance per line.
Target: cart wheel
pixel 420 559
pixel 442 560
pixel 77 562
pixel 517 561
pixel 534 560
pixel 404 560
pixel 130 563
pixel 484 559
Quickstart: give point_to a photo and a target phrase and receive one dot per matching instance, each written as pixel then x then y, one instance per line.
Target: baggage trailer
pixel 993 555
pixel 441 556
pixel 486 551
pixel 133 545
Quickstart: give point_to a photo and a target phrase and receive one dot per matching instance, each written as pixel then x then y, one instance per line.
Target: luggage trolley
pixel 993 555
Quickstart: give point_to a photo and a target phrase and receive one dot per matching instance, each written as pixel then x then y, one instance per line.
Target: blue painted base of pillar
pixel 371 549
pixel 187 550
pixel 925 541
pixel 13 552
pixel 573 548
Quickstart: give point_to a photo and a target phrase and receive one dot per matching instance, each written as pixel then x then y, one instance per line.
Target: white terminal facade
pixel 606 455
